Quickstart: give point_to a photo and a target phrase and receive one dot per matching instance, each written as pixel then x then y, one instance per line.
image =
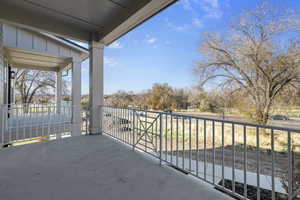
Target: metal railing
pixel 21 122
pixel 246 160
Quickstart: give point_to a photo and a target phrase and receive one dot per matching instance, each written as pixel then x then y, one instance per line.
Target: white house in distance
pixel 29 49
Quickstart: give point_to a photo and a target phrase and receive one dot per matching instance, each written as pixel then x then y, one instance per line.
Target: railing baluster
pixel 133 129
pixel 114 122
pixel 183 144
pixel 127 126
pixel 233 158
pixel 123 125
pixel 146 131
pixel 190 144
pixel 17 122
pixel 214 150
pixel 258 163
pixel 119 116
pixel 290 168
pixel 204 140
pixel 156 135
pixel 197 147
pixel 10 135
pixel 3 108
pixel 171 139
pixel 160 139
pixel 222 149
pixel 245 161
pixel 116 134
pixel 177 141
pixel 273 164
pixel 166 138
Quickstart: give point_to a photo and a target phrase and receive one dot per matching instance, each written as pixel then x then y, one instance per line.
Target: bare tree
pixel 30 83
pixel 120 99
pixel 196 96
pixel 181 98
pixel 259 56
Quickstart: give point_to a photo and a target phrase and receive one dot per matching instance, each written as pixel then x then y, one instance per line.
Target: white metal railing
pixel 249 161
pixel 21 122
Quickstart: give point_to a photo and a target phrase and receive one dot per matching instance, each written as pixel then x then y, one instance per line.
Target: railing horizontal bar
pixel 219 120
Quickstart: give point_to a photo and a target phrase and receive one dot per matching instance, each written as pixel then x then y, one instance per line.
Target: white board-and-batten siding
pixel 15 37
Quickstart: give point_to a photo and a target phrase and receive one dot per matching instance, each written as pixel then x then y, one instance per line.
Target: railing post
pixel 133 130
pixel 290 167
pixel 3 120
pixel 101 114
pixel 2 128
pixel 160 139
pixel 86 122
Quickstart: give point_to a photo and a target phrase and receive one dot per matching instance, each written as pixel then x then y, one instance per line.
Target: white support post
pixel 96 87
pixel 3 114
pixel 58 92
pixel 76 98
pixel 58 97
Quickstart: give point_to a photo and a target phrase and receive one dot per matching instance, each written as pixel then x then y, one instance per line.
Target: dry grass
pixel 188 132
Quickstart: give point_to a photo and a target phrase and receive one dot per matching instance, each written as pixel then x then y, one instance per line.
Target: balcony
pixel 154 155
pixel 89 167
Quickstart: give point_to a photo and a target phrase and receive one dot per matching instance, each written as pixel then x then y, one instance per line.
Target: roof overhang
pixel 24 59
pixel 102 20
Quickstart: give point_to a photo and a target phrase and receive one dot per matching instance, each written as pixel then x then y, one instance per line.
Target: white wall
pixel 24 39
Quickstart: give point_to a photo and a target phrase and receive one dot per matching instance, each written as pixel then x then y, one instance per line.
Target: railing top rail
pixel 215 120
pixel 35 105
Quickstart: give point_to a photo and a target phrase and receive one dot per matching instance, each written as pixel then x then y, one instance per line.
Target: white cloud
pixel 212 3
pixel 177 27
pixel 212 12
pixel 182 28
pixel 115 45
pixel 212 8
pixel 187 4
pixel 197 22
pixel 110 61
pixel 168 43
pixel 151 40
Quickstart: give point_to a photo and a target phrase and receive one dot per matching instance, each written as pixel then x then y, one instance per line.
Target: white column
pixel 76 98
pixel 3 92
pixel 58 92
pixel 96 86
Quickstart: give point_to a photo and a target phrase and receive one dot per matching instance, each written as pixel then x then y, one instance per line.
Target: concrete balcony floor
pixel 92 167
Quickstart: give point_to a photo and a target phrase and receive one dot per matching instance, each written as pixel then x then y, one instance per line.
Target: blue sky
pixel 164 49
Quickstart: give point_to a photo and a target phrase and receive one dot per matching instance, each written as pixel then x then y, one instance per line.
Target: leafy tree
pixel 161 96
pixel 259 55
